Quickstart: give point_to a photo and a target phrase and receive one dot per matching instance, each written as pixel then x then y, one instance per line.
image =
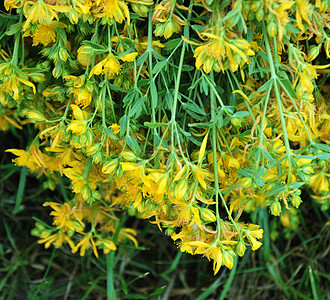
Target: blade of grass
pixel 311 278
pixel 19 262
pixel 301 295
pixel 229 280
pixel 47 270
pixel 210 289
pixel 174 264
pixel 20 191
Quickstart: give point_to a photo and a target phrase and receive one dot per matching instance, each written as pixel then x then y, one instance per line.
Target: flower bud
pixel 159 31
pixel 236 122
pixel 255 5
pixel 228 258
pixel 70 232
pixel 207 215
pixel 181 189
pixel 45 234
pixel 34 115
pixel 313 52
pixel 260 14
pixel 276 208
pixel 97 158
pixel 272 28
pixel 240 248
pixel 73 16
pixel 85 192
pixel 63 54
pixel 169 29
pixel 110 166
pixel 128 156
pixel 296 200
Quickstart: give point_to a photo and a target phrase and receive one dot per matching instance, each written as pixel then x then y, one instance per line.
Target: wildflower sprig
pixel 185 115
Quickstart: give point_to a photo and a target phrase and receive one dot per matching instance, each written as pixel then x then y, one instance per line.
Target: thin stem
pixel 149 50
pixel 215 159
pixel 279 102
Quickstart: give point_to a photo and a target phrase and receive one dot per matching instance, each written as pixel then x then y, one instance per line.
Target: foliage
pixel 189 115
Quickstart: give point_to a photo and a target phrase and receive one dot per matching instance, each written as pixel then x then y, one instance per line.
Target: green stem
pixel 150 50
pixel 214 91
pixel 177 82
pixel 279 102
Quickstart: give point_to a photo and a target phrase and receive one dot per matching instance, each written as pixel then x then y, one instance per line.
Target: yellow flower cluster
pixel 187 116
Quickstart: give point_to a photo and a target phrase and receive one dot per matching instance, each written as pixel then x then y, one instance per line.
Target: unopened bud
pixel 272 28
pixel 276 208
pixel 313 52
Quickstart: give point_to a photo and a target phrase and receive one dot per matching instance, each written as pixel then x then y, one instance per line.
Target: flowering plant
pixel 185 114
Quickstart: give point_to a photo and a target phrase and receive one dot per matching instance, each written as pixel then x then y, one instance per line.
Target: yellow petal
pixel 202 149
pixel 129 57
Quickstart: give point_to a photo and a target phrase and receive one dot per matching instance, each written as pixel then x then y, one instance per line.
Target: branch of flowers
pixel 279 102
pixel 215 167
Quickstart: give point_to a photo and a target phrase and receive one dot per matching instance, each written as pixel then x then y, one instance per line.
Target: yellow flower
pixel 40 12
pixel 85 243
pixel 115 128
pixel 11 80
pixel 202 176
pixel 45 34
pixel 108 66
pixel 320 182
pixel 78 126
pixel 106 244
pixel 303 10
pixel 113 9
pixel 255 244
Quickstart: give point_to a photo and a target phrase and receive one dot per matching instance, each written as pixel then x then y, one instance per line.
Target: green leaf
pixel 154 125
pixel 61 34
pixel 158 66
pixel 285 82
pixel 292 28
pixel 123 125
pixel 171 44
pixel 185 133
pixel 193 107
pixel 277 190
pixel 322 147
pixel 94 46
pixel 154 96
pixel 168 99
pixel 245 172
pixel 14 28
pixel 260 172
pixel 136 109
pixel 324 156
pixel 160 142
pixel 133 144
pixel 142 58
pixel 265 87
pixel 126 52
pixel 241 114
pixel 296 185
pixel 203 86
pixel 109 133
